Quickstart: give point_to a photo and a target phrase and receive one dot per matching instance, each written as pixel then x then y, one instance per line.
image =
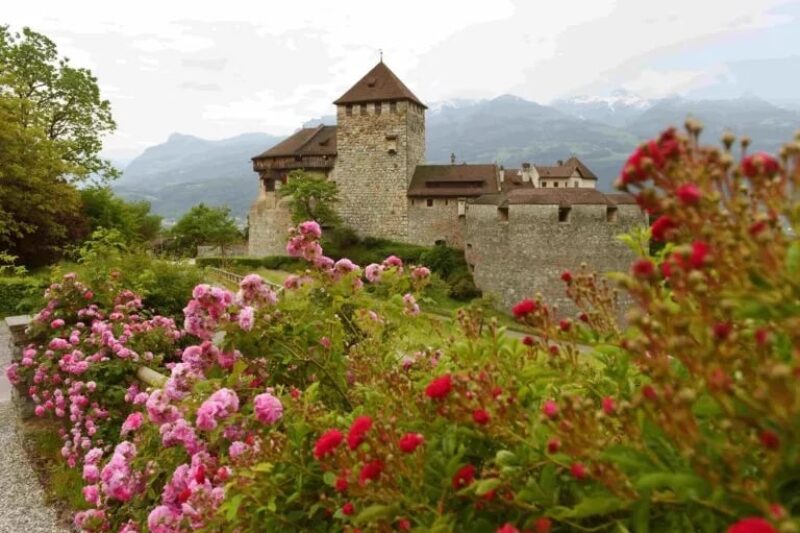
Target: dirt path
pixel 22 507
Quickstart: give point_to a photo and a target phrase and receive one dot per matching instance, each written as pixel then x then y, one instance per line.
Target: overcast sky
pixel 217 69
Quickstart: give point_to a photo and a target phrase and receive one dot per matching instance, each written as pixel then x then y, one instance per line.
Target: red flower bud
pixel 553 445
pixel 700 252
pixel 358 431
pixel 550 409
pixel 481 417
pixel 327 443
pixel 404 524
pixel 527 340
pixel 751 525
pixel 566 276
pixel 410 442
pixel 662 227
pixel 464 477
pixel 578 471
pixel 643 268
pixel 722 330
pixel 542 525
pixel 348 509
pixel 565 325
pixel 689 194
pixel 341 484
pixel 439 387
pixel 524 308
pixel 769 439
pixel 370 472
pixel 609 405
pixel 760 164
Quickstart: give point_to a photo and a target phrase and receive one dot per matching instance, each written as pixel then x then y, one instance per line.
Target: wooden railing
pixel 235 279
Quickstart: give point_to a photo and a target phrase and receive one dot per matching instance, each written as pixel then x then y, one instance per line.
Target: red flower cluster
pixel 689 194
pixel 661 228
pixel 327 443
pixel 481 417
pixel 578 471
pixel 370 472
pixel 410 442
pixel 652 155
pixel 464 477
pixel 358 431
pixel 524 308
pixel 439 387
pixel 751 525
pixel 643 268
pixel 760 164
pixel 566 276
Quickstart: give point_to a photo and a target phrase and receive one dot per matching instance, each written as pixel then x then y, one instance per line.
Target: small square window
pixel 502 214
pixel 611 214
pixel 555 184
pixel 378 108
pixel 392 107
pixel 429 202
pixel 544 184
pixel 349 110
pixel 563 214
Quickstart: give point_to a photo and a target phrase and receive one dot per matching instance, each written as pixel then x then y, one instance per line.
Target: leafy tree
pixel 52 120
pixel 312 197
pixel 133 220
pixel 58 100
pixel 205 225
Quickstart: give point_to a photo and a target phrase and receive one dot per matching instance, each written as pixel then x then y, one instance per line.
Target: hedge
pixel 20 295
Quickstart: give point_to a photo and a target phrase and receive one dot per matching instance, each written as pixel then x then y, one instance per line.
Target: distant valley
pixel 186 170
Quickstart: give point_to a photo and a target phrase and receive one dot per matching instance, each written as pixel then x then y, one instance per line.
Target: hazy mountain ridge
pixel 602 131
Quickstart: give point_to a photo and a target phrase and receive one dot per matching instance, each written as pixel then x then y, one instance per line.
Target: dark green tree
pixel 52 120
pixel 312 197
pixel 133 220
pixel 203 224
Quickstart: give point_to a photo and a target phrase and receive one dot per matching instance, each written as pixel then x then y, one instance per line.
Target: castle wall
pixel 525 254
pixel 376 157
pixel 439 222
pixel 269 221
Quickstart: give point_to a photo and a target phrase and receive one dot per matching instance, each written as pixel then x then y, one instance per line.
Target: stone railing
pixel 19 324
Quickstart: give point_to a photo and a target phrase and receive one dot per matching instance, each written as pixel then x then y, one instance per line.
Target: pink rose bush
pixel 339 405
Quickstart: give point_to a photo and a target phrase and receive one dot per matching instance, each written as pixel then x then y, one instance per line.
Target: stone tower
pixel 380 140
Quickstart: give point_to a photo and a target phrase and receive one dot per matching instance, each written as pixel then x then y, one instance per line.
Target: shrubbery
pixel 333 408
pixel 20 295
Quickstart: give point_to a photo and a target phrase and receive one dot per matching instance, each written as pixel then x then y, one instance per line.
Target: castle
pixel 519 228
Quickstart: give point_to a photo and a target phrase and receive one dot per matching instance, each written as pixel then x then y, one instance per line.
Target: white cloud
pixel 277 64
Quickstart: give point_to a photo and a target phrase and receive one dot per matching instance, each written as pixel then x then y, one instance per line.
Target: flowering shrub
pixel 341 406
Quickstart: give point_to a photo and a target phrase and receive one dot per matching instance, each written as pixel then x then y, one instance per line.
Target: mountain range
pixel 509 130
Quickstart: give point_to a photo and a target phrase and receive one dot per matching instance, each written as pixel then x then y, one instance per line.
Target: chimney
pixel 501 173
pixel 452 158
pixel 561 162
pixel 526 172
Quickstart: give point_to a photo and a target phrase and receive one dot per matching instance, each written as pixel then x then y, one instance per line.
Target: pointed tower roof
pixel 379 84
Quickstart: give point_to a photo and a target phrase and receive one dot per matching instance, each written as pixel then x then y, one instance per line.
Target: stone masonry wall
pixel 439 222
pixel 269 221
pixel 372 181
pixel 526 254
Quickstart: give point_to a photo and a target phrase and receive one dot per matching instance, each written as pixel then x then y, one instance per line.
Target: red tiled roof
pixel 566 169
pixel 621 198
pixel 453 180
pixel 307 141
pixel 567 196
pixel 379 84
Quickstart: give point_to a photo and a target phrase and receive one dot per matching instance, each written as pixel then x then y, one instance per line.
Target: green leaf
pixel 264 467
pixel 640 517
pixel 233 507
pixel 329 478
pixel 485 486
pixel 679 483
pixel 375 512
pixel 505 458
pixel 592 506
